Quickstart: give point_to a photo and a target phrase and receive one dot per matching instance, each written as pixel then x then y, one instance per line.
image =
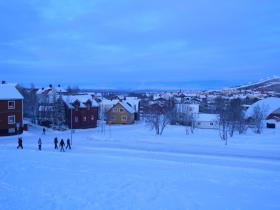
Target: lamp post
pixel 71 124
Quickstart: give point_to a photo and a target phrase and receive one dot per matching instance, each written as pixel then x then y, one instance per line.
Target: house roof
pixel 127 107
pixel 70 99
pixel 9 91
pixel 269 104
pixel 134 102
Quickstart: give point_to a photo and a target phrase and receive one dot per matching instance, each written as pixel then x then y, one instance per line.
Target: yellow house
pixel 121 113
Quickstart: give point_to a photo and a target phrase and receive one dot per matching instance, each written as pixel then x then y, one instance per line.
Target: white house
pixel 207 121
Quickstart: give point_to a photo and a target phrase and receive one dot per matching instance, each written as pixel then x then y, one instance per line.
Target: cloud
pixel 128 40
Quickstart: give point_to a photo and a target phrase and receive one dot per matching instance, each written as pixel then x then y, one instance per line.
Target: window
pixel 85 118
pixel 211 124
pixel 11 119
pixel 124 118
pixel 11 130
pixel 11 104
pixel 113 118
pixel 92 117
pixel 76 119
pixel 115 109
pixel 121 110
pixel 88 107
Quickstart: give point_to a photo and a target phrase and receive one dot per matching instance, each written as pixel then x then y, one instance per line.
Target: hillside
pixel 264 85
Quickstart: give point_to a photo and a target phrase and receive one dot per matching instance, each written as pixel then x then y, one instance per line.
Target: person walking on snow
pixel 68 145
pixel 19 143
pixel 55 143
pixel 44 131
pixel 40 144
pixel 61 144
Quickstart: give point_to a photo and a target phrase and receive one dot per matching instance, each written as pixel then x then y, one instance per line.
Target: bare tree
pixel 73 90
pixel 59 113
pixel 235 117
pixel 30 102
pixel 259 113
pixel 222 110
pixel 158 117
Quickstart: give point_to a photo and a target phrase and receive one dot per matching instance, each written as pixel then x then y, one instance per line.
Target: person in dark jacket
pixel 19 143
pixel 44 131
pixel 55 143
pixel 40 144
pixel 68 145
pixel 61 144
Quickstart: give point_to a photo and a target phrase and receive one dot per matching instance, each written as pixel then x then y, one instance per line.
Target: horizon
pixel 191 86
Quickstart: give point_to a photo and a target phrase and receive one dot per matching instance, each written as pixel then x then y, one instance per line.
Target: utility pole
pixel 71 124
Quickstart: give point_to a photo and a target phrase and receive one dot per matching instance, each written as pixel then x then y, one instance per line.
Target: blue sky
pixel 139 44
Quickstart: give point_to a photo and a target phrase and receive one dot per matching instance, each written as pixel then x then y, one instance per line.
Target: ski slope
pixel 128 167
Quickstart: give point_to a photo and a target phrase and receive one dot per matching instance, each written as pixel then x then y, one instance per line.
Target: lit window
pixel 85 118
pixel 76 119
pixel 92 117
pixel 11 119
pixel 11 104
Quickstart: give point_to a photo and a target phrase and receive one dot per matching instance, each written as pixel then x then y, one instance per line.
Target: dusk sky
pixel 139 44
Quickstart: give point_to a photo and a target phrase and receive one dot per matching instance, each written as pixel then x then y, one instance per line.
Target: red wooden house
pixel 81 111
pixel 11 110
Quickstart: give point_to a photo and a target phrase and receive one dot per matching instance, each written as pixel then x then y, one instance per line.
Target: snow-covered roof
pixel 269 105
pixel 207 117
pixel 9 91
pixel 127 107
pixel 50 90
pixel 69 99
pixel 134 102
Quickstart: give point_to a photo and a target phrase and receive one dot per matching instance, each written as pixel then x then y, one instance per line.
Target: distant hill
pixel 272 84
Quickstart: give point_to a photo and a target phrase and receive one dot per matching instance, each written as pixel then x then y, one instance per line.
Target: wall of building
pixel 207 124
pixel 117 117
pixel 10 129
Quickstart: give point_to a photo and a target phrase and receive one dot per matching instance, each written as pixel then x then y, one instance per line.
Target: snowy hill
pixel 128 167
pixel 272 84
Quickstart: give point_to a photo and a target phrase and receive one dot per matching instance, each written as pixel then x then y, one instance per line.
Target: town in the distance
pixel 254 106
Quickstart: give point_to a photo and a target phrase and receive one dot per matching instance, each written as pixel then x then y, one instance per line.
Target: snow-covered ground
pixel 129 167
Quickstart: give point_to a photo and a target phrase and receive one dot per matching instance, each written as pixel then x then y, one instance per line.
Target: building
pixel 270 107
pixel 11 110
pixel 121 113
pixel 81 111
pixel 47 98
pixel 207 121
pixel 184 113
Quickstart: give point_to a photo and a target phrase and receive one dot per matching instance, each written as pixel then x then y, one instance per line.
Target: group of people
pixel 61 144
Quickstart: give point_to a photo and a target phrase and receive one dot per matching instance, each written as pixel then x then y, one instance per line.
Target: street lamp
pixel 71 123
